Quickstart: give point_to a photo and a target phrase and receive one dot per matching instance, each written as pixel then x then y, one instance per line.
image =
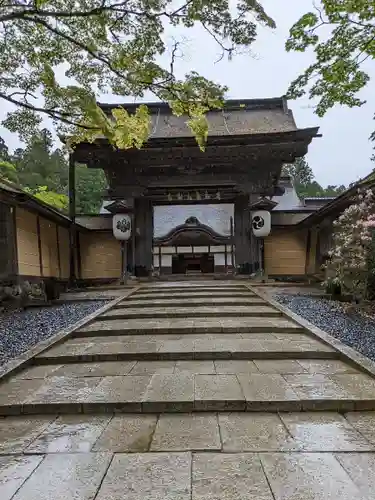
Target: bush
pixel 333 287
pixel 16 296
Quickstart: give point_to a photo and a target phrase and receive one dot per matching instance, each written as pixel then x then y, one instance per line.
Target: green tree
pixel 8 171
pixel 56 200
pixel 44 171
pixel 34 165
pixel 305 183
pixel 4 150
pixel 336 75
pixel 300 171
pixel 111 46
pixel 91 185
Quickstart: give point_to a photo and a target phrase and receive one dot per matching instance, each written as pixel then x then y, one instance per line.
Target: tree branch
pixel 119 7
pixel 55 114
pixel 153 87
pixel 223 47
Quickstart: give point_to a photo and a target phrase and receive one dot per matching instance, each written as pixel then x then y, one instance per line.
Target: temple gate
pixel 248 142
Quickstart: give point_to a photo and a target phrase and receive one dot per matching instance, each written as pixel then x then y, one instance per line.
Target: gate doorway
pixel 193 263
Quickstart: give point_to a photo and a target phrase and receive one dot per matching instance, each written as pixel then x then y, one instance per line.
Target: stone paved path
pixel 189 391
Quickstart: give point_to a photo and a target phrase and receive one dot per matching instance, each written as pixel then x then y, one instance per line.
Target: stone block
pixel 327 366
pixel 101 369
pixel 259 387
pixel 254 432
pixel 152 367
pixel 63 390
pixel 122 390
pixel 186 431
pixel 67 349
pixel 195 367
pixel 70 434
pixel 361 469
pixel 358 386
pixel 61 476
pixel 308 476
pixel 279 366
pixel 169 392
pixel 218 392
pixel 14 471
pixel 151 476
pixel 230 477
pixel 316 386
pixel 127 433
pixel 321 431
pixel 16 433
pixel 364 423
pixel 41 371
pixel 16 392
pixel 229 366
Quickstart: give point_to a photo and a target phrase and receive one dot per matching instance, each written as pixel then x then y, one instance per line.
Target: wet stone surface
pixel 70 433
pixel 154 476
pixel 208 421
pixel 63 476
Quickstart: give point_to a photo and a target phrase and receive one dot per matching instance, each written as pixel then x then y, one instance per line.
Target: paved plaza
pixel 191 390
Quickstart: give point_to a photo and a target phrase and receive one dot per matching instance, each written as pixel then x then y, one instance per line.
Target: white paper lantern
pixel 261 223
pixel 122 226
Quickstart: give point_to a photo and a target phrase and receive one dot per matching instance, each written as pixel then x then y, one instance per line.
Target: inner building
pixel 193 239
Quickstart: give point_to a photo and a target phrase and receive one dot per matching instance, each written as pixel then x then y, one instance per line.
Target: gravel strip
pixel 21 330
pixel 353 330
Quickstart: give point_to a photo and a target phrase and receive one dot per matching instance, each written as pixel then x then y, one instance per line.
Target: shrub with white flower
pixel 352 245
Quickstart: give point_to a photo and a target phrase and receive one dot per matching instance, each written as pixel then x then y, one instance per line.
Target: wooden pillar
pixel 39 246
pixel 8 242
pixel 241 234
pixel 255 245
pixel 248 247
pixel 144 228
pixel 311 251
pixel 72 216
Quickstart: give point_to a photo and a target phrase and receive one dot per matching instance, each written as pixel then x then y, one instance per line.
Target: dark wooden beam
pixel 79 256
pixel 14 242
pixel 39 245
pixel 72 216
pixel 58 249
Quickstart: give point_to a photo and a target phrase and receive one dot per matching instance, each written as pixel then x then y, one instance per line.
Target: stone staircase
pixel 189 347
pixel 189 391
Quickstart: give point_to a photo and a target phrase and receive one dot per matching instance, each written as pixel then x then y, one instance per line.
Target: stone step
pixel 195 288
pixel 104 288
pixel 186 392
pixel 224 433
pixel 186 326
pixel 282 367
pixel 183 302
pixel 162 336
pixel 188 356
pixel 196 295
pixel 207 348
pixel 257 311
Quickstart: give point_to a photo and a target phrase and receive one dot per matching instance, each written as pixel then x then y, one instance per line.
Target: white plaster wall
pixel 166 261
pixel 215 216
pixel 219 259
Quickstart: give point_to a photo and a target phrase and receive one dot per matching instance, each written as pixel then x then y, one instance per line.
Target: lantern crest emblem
pixel 258 222
pixel 123 225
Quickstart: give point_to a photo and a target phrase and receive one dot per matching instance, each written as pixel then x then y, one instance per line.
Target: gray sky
pixel 343 154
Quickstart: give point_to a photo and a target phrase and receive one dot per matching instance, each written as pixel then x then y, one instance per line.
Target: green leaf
pixel 59 63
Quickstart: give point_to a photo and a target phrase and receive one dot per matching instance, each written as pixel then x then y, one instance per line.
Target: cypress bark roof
pixel 238 117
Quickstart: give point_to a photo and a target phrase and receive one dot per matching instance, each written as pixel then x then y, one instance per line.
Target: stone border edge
pixel 23 360
pixel 351 354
